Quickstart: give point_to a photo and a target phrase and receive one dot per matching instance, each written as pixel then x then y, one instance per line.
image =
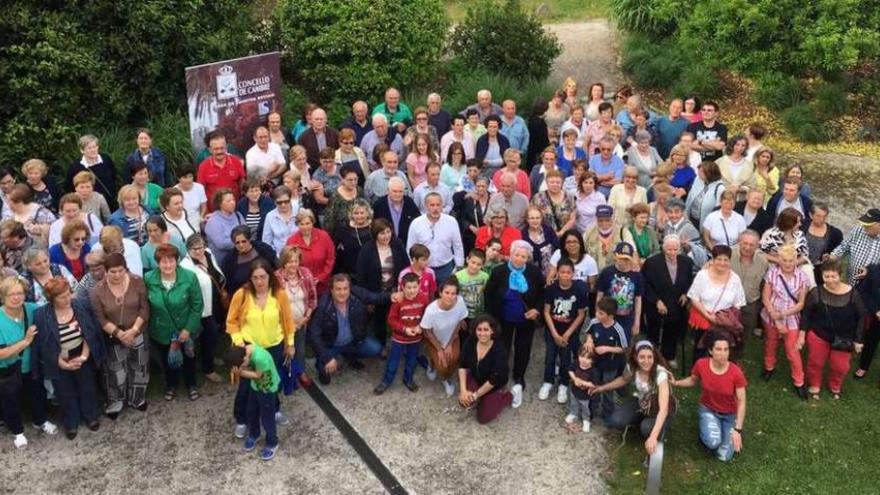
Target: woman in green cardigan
pixel 175 319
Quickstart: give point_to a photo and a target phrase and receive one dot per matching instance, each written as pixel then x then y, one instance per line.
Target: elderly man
pixel 339 327
pixel 456 135
pixel 670 127
pixel 381 133
pixel 265 158
pixel 710 136
pixel 359 122
pixel 861 245
pixel 749 263
pixel 625 117
pixel 318 137
pixel 440 234
pixel 396 111
pixel 220 170
pixel 678 224
pixel 667 276
pixel 601 239
pixel 378 181
pixel 396 207
pixel 514 127
pixel 484 105
pixel 437 116
pixel 512 201
pixel 791 197
pixel 607 166
pixel 432 185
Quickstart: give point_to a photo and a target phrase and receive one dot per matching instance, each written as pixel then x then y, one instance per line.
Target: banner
pixel 235 96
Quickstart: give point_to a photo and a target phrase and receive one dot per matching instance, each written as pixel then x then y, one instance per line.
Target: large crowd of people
pixel 439 239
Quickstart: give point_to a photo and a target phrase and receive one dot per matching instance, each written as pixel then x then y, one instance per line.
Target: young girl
pixel 494 257
pixel 417 161
pixel 580 403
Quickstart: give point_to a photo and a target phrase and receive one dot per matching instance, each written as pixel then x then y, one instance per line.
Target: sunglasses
pixel 283 202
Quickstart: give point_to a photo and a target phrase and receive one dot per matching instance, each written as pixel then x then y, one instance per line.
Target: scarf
pixel 517 280
pixel 643 241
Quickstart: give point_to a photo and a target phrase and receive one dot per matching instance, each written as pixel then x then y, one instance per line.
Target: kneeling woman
pixel 653 406
pixel 69 345
pixel 722 399
pixel 483 371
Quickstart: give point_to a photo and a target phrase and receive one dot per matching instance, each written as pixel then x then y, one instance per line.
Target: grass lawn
pixel 559 10
pixel 790 446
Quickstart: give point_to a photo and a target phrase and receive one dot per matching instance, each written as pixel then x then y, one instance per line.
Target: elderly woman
pixel 587 199
pixel 300 195
pixel 378 267
pixel 38 271
pixel 176 215
pixel 556 115
pixel 45 190
pixel 318 251
pixel 472 216
pixel 72 250
pixel 559 207
pixel 158 234
pixel 483 371
pixel 822 237
pixel 68 350
pixel 280 223
pixel 299 162
pixel 215 299
pixel 352 236
pixel 497 228
pixel 752 210
pixel 7 181
pixel 490 147
pixel 766 173
pixel 541 237
pixel 18 363
pixel 93 203
pixel 299 283
pixel 723 226
pixel 195 201
pixel 70 208
pixel 705 194
pixel 737 171
pixel 715 289
pixel 131 216
pixel 337 213
pixel 95 264
pixel 783 296
pixel 99 165
pixel 175 319
pixel 236 265
pixel 111 241
pixel 253 206
pixel 149 192
pixel 260 313
pixel 218 230
pixel 513 295
pixel 639 234
pixel 626 194
pixel 421 125
pixel 722 410
pixel 121 307
pixel 832 326
pixel 644 158
pixel 350 156
pixel 152 157
pixel 667 278
pixel 35 217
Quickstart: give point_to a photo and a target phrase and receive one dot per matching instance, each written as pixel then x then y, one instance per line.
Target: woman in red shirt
pixel 722 399
pixel 317 248
pixel 497 227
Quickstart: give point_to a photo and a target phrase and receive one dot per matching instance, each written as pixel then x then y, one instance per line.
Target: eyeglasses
pixel 282 202
pixel 606 149
pixel 346 142
pixel 196 248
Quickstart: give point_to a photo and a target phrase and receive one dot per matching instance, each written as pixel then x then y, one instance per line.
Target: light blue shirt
pixel 276 230
pixel 615 164
pixel 517 133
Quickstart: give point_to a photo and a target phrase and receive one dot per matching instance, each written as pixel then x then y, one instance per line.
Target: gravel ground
pixel 589 54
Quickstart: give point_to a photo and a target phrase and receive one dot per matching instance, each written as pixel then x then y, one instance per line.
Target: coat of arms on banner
pixel 227 83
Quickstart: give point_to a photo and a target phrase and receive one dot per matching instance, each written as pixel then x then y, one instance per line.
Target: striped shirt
pixel 70 336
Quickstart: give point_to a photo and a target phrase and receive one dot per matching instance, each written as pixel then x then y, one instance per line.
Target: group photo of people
pixel 642 248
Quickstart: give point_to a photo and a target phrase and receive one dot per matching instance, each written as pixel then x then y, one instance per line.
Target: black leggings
pixel 872 338
pixel 518 336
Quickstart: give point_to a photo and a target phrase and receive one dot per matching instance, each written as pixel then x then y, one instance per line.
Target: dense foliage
pixel 506 40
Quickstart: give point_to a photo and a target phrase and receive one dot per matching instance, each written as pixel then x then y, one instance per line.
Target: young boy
pixel 583 377
pixel 472 282
pixel 194 200
pixel 468 181
pixel 406 334
pixel 565 306
pixel 607 340
pixel 418 255
pixel 256 364
pixel 493 255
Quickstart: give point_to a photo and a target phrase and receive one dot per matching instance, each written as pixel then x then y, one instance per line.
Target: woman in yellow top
pixel 260 314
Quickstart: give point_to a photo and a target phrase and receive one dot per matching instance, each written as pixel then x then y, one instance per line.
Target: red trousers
pixel 490 405
pixel 820 352
pixel 771 345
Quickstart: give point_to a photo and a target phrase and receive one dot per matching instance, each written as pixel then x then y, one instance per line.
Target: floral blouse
pixel 556 215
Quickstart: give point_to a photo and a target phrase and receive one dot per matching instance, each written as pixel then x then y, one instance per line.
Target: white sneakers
pixel 431 373
pixel 449 387
pixel 240 431
pixel 571 418
pixel 586 426
pixel 517 392
pixel 544 392
pixel 47 427
pixel 19 441
pixel 562 394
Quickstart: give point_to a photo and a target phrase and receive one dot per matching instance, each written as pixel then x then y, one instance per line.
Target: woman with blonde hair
pixel 570 89
pixel 302 294
pixel 737 171
pixel 46 191
pixel 131 216
pixel 766 173
pixel 626 194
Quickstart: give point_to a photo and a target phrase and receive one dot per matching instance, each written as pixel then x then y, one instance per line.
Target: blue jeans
pixel 409 352
pixel 369 347
pixel 78 395
pixel 628 413
pixel 565 355
pixel 240 406
pixel 607 399
pixel 441 273
pixel 261 409
pixel 627 323
pixel 715 430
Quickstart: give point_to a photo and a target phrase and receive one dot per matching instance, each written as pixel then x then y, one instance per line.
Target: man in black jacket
pixel 667 277
pixel 339 326
pixel 404 208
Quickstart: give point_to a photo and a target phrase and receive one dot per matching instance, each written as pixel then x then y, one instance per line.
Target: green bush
pixel 350 48
pixel 171 135
pixel 831 100
pixel 652 64
pixel 779 91
pixel 655 18
pixel 697 79
pixel 505 40
pixel 805 124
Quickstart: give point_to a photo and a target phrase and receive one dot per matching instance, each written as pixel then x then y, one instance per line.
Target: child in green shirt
pixel 472 282
pixel 256 364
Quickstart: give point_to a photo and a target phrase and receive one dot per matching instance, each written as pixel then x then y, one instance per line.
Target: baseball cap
pixel 624 250
pixel 604 211
pixel 870 216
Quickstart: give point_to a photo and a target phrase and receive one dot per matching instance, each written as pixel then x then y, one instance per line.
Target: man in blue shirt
pixel 607 166
pixel 514 127
pixel 670 127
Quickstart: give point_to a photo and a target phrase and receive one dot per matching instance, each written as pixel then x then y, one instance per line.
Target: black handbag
pixel 838 343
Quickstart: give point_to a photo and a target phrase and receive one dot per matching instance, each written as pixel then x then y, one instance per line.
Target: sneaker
pixel 431 373
pixel 571 418
pixel 250 444
pixel 47 427
pixel 544 392
pixel 562 394
pixel 268 453
pixel 586 427
pixel 412 386
pixel 449 387
pixel 281 419
pixel 517 392
pixel 240 431
pixel 380 388
pixel 20 441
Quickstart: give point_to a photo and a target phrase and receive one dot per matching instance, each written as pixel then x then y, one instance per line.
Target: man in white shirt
pixel 440 234
pixel 510 200
pixel 432 185
pixel 265 157
pixel 377 183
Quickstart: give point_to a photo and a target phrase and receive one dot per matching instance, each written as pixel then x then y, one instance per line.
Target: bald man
pixel 318 137
pixel 509 199
pixel 397 112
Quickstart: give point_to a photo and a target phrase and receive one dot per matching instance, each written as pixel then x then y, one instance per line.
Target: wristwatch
pixel 738 430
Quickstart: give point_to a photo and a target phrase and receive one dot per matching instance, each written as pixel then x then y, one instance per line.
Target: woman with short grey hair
pixel 644 158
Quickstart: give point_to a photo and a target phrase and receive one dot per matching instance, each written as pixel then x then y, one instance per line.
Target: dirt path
pixel 589 54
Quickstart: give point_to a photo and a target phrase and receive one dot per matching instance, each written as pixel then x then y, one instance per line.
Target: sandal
pixel 194 394
pixel 859 374
pixel 814 395
pixel 169 395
